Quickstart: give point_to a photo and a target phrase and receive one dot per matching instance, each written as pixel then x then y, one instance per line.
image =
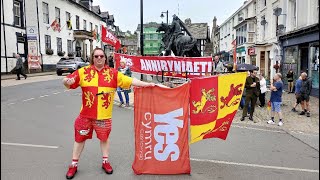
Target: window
pixel 294 13
pixel 151 37
pixel 77 22
pixel 69 44
pixel 59 44
pixel 96 28
pixel 151 44
pixel 264 3
pixel 91 26
pixel 17 14
pixel 45 10
pixel 47 40
pixel 263 18
pixel 57 10
pixel 251 27
pixel 84 25
pixel 68 16
pixel 251 37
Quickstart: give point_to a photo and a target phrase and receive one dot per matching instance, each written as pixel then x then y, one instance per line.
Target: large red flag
pixel 213 104
pixel 161 130
pixel 108 37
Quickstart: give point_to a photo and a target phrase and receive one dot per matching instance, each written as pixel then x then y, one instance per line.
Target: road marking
pixel 11 103
pixel 28 99
pixel 67 90
pixel 256 165
pixel 259 129
pixel 44 96
pixel 29 145
pixel 56 92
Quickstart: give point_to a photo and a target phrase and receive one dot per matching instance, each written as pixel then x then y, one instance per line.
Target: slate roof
pixel 198 30
pixel 96 9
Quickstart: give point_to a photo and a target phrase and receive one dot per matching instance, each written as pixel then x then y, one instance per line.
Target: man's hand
pixel 68 82
pixel 253 85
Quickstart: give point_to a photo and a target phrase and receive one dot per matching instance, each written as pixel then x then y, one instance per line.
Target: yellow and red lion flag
pixel 214 102
pixel 161 130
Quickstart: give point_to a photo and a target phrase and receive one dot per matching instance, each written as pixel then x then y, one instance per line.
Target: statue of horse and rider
pixel 174 40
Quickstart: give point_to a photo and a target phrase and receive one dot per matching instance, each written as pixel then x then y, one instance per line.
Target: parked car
pixel 69 65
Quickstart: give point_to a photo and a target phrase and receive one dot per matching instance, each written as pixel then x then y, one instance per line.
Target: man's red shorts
pixel 83 128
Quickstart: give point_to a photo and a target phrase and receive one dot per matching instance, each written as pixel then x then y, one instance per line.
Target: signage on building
pixel 32 32
pixel 251 51
pixel 34 61
pixel 240 50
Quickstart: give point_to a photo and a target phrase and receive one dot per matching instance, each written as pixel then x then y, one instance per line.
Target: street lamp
pixel 162 16
pixel 141 32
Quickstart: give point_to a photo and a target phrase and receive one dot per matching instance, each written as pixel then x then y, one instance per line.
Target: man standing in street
pixel 297 93
pixel 276 98
pixel 252 93
pixel 19 67
pixel 98 83
pixel 305 92
pixel 217 66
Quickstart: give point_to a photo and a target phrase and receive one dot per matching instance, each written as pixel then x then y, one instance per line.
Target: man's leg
pixel 245 108
pixel 120 96
pixel 126 95
pixel 253 104
pixel 271 121
pixel 303 107
pixel 18 73
pixel 77 149
pixel 308 106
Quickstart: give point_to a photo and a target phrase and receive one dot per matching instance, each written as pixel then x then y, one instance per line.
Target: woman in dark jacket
pixel 290 81
pixel 126 71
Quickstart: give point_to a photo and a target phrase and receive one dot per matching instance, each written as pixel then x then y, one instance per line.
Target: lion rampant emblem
pixel 234 91
pixel 107 100
pixel 88 96
pixel 89 74
pixel 206 96
pixel 108 75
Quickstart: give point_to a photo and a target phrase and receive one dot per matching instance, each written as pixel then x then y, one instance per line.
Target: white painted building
pixel 240 26
pixel 26 29
pixel 13 33
pixel 77 40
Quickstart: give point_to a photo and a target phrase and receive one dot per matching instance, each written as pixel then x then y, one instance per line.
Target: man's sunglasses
pixel 97 56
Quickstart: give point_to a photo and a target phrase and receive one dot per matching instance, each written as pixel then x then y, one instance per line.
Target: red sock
pixel 75 162
pixel 104 159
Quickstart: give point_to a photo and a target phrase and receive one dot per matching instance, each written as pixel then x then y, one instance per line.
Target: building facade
pixel 151 39
pixel 300 39
pixel 215 37
pixel 13 33
pixel 48 30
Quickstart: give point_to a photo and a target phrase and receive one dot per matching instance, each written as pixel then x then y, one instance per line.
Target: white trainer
pixel 271 122
pixel 280 123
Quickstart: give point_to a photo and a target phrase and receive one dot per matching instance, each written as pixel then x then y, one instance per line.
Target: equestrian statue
pixel 175 41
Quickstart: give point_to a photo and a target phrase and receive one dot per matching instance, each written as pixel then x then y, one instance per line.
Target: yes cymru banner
pixel 161 130
pixel 172 66
pixel 109 38
pixel 214 102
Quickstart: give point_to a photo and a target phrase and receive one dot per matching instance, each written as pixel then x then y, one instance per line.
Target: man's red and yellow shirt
pixel 93 82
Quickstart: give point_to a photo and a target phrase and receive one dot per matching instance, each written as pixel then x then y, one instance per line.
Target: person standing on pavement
pixel 297 94
pixel 276 88
pixel 19 67
pixel 290 75
pixel 98 83
pixel 252 86
pixel 217 66
pixel 110 61
pixel 124 69
pixel 305 92
pixel 263 90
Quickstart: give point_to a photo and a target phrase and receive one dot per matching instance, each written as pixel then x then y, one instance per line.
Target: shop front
pixel 252 55
pixel 301 54
pixel 241 55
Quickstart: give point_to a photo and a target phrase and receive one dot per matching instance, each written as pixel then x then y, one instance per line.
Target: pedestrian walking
pixel 98 83
pixel 297 94
pixel 263 90
pixel 290 75
pixel 252 86
pixel 19 67
pixel 276 88
pixel 305 92
pixel 124 69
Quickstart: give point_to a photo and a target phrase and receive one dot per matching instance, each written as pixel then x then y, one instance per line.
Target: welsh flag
pixel 109 38
pixel 55 25
pixel 214 101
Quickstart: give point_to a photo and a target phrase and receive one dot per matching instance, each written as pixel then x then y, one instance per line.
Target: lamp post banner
pixel 161 130
pixel 172 66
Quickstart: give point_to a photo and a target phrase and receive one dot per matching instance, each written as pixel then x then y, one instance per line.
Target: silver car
pixel 69 65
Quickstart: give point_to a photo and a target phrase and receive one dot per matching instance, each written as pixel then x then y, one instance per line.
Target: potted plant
pixel 49 51
pixel 61 53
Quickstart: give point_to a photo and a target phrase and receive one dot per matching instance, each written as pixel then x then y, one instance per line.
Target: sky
pixel 127 12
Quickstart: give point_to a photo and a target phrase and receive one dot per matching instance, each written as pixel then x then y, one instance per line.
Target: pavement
pixel 37 137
